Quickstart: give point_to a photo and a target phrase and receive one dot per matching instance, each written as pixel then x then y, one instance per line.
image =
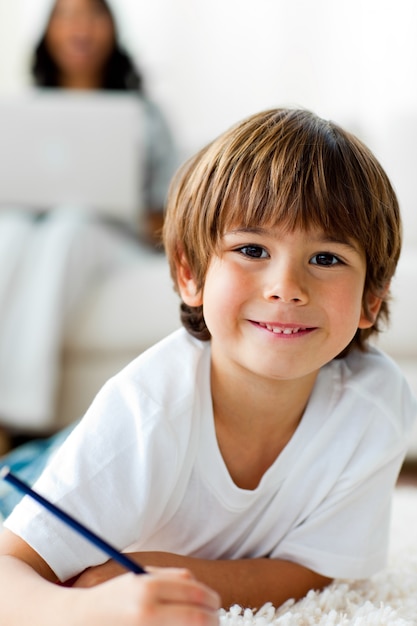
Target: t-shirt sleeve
pixel 344 531
pixel 106 475
pixel 346 536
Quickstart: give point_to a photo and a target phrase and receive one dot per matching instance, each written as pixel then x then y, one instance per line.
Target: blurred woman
pixel 80 49
pixel 51 259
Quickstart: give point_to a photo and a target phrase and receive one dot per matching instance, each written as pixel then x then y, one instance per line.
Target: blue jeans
pixel 27 462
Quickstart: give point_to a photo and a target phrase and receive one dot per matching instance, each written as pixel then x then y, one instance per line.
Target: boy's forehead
pixel 284 227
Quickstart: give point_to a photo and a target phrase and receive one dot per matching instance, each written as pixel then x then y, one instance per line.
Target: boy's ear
pixel 373 305
pixel 187 286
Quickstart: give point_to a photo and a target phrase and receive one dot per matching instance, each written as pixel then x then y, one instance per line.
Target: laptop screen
pixel 72 148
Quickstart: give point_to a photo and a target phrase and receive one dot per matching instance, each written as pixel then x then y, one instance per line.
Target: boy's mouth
pixel 287 329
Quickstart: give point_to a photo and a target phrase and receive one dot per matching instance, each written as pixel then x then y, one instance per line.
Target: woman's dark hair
pixel 120 74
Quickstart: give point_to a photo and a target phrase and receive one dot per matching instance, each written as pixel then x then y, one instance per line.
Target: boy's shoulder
pixel 177 347
pixel 368 366
pixel 375 381
pixel 172 370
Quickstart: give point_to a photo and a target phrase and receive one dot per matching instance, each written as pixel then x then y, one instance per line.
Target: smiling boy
pixel 260 445
pixel 279 306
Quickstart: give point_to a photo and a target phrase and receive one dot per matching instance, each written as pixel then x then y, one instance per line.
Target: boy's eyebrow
pixel 254 230
pixel 321 238
pixel 349 242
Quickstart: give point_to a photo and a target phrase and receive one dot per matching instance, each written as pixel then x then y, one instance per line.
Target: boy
pixel 260 448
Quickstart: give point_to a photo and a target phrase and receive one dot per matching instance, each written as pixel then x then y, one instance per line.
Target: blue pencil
pixel 113 553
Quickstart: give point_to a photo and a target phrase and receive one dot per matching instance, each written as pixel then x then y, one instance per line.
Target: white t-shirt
pixel 144 468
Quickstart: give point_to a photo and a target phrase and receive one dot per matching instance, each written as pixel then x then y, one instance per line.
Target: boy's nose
pixel 287 285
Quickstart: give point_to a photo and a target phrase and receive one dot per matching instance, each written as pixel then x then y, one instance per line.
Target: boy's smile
pixel 281 304
pixel 288 330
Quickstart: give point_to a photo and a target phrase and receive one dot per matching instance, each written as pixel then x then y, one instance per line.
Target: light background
pixel 208 63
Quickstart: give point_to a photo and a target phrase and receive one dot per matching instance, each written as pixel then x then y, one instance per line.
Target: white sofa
pixel 124 315
pixel 135 307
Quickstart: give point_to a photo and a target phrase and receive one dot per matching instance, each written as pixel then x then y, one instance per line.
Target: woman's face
pixel 80 38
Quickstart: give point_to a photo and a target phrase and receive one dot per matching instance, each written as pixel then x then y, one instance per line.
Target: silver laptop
pixel 72 148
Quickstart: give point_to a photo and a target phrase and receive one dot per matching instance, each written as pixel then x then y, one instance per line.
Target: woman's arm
pixel 30 595
pixel 248 582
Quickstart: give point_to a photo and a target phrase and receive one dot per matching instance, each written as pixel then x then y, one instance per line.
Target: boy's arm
pixel 248 582
pixel 28 592
pixel 29 595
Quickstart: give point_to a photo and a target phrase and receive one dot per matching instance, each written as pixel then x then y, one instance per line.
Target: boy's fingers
pixel 188 616
pixel 179 587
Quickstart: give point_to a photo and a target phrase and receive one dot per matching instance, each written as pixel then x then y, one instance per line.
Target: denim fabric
pixel 27 462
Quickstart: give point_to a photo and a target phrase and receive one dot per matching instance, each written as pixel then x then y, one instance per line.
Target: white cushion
pixel 131 309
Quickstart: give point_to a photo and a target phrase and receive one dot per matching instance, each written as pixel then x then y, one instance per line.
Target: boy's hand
pixel 169 597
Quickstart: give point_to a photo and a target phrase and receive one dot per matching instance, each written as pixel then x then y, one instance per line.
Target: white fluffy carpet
pixel 387 599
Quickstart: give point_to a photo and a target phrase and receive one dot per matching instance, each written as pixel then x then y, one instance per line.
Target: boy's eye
pixel 254 252
pixel 325 259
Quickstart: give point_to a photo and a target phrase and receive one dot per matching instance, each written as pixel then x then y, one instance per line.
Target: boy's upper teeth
pixel 284 331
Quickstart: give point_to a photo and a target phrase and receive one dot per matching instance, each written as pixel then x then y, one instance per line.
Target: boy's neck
pixel 255 420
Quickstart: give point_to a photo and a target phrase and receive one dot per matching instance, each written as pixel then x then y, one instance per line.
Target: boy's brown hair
pixel 291 168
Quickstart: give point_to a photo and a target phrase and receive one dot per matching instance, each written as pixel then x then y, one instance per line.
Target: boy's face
pixel 282 304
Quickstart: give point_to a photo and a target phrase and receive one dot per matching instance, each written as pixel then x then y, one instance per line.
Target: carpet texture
pixel 389 598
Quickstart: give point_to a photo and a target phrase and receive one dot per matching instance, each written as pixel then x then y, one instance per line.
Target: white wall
pixel 211 62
